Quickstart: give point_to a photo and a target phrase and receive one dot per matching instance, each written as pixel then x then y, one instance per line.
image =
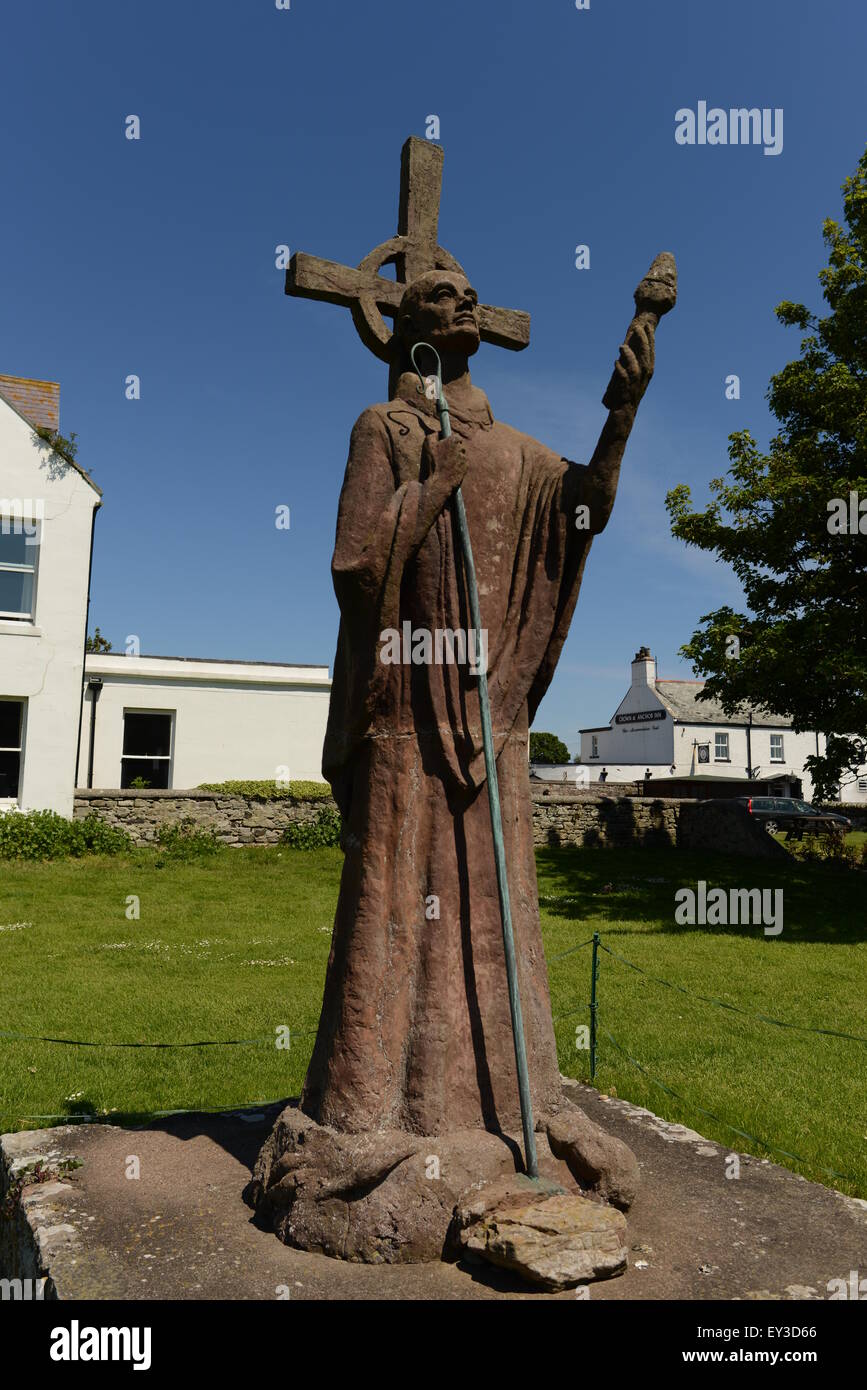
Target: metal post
pixel 594 975
pixel 95 688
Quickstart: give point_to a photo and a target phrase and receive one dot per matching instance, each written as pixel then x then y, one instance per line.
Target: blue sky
pixel 261 127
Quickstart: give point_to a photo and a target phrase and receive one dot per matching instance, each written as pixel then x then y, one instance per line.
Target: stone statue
pixel 413 1069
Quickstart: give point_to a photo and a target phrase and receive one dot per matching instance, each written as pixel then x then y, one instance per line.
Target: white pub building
pixel 662 731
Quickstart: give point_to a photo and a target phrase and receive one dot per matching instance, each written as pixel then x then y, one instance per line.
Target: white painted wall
pixel 628 743
pixel 625 772
pixel 796 749
pixel 570 773
pixel 232 720
pixel 41 661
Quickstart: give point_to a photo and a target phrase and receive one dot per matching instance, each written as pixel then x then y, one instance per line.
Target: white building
pixel 181 721
pixel 47 511
pixel 106 721
pixel 661 727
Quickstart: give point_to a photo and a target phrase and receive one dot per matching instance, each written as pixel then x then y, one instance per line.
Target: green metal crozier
pixel 532 1163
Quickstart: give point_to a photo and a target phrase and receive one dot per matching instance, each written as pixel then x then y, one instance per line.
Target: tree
pixel 792 523
pixel 547 748
pixel 97 643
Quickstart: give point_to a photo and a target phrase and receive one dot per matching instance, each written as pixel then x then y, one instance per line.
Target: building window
pixel 777 748
pixel 862 784
pixel 11 743
pixel 147 748
pixel 721 748
pixel 594 746
pixel 19 554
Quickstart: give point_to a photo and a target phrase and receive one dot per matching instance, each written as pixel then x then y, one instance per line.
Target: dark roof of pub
pixel 681 699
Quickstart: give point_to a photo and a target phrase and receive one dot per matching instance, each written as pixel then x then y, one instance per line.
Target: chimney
pixel 644 668
pixel 37 401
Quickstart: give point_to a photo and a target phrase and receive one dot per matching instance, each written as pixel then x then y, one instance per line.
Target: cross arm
pixel 506 328
pixel 311 277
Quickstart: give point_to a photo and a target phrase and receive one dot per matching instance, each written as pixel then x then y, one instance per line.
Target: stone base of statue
pixel 394 1197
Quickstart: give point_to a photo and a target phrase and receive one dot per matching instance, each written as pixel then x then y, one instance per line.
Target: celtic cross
pixel 413 251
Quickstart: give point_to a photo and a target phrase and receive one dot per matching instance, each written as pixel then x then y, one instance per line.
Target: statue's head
pixel 441 308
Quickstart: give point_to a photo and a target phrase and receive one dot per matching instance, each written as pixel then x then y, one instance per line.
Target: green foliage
pixel 803 641
pixel 33 1173
pixel 547 748
pixel 46 835
pixel 66 448
pixel 185 840
pixel 97 643
pixel 321 833
pixel 832 848
pixel 270 791
pixel 140 783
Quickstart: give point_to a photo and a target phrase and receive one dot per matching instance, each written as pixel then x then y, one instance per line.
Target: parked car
pixel 797 818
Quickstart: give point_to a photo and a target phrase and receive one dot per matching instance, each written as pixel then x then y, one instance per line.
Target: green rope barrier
pixel 734 1008
pixel 219 1042
pixel 579 1008
pixel 572 949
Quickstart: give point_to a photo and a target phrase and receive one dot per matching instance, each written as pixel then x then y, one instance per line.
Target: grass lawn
pixel 802 1092
pixel 234 946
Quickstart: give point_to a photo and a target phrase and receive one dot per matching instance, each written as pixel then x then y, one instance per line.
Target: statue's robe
pixel 415 1031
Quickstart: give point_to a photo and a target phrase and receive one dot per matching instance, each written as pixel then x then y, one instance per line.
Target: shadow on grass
pixel 821 903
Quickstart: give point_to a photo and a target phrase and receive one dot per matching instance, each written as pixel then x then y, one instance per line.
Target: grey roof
pixel 681 700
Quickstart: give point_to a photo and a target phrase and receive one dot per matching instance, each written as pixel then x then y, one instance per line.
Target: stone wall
pixel 561 816
pixel 727 827
pixel 584 817
pixel 237 820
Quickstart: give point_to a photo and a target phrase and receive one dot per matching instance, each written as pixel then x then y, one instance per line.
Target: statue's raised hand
pixel 655 296
pixel 633 369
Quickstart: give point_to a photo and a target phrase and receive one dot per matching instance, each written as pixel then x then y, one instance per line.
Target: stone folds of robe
pixel 415 1032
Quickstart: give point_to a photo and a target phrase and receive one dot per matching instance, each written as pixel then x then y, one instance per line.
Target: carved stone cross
pixel 413 251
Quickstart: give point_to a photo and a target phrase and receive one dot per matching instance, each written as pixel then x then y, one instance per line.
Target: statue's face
pixel 441 308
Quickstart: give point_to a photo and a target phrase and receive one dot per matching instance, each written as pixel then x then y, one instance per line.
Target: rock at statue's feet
pixel 551 1238
pixel 598 1161
pixel 379 1197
